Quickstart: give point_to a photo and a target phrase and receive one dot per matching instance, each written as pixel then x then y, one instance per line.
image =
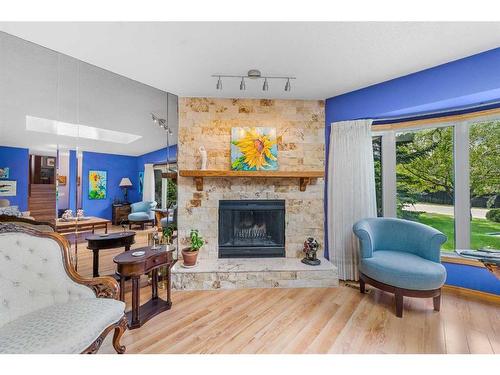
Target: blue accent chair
pixel 401 257
pixel 141 214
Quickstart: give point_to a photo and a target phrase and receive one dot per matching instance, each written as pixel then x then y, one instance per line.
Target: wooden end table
pixel 98 242
pixel 133 267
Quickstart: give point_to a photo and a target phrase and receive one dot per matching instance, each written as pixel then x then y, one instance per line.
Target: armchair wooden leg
pixel 361 286
pixel 119 330
pixel 399 304
pixel 437 303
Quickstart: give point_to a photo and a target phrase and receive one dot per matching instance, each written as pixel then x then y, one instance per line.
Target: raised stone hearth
pixel 254 273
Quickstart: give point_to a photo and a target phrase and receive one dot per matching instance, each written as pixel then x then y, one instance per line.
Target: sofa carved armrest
pixel 103 286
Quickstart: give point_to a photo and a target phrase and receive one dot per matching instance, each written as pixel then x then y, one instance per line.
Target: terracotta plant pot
pixel 189 257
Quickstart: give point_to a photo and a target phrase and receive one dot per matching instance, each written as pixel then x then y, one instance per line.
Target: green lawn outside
pixel 480 228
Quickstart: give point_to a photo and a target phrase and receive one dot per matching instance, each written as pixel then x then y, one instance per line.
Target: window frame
pixel 461 169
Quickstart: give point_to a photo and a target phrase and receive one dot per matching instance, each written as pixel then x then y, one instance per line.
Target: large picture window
pixel 424 179
pixel 446 176
pixel 484 181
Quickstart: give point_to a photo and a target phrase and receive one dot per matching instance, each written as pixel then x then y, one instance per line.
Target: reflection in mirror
pixel 91 136
pixel 31 81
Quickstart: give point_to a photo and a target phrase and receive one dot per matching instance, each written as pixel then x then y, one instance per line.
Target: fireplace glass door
pixel 251 228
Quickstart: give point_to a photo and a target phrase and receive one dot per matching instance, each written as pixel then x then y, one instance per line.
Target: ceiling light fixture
pixel 253 74
pixel 162 123
pixel 288 87
pixel 265 87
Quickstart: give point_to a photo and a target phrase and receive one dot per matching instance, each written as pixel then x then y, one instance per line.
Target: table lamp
pixel 125 183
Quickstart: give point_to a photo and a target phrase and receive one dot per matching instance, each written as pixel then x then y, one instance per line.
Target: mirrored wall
pixel 88 151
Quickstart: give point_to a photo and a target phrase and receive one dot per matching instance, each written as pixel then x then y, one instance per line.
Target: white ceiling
pixel 327 58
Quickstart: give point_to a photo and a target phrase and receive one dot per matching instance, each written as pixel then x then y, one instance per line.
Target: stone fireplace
pixel 251 228
pixel 239 243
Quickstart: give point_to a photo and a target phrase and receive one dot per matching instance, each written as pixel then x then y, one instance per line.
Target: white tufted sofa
pixel 45 306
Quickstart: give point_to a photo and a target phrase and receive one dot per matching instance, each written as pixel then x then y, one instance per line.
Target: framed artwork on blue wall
pixel 98 184
pixel 141 181
pixel 4 172
pixel 8 188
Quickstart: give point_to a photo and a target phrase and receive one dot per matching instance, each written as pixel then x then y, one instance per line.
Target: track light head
pixel 162 123
pixel 242 84
pixel 265 87
pixel 288 87
pixel 219 84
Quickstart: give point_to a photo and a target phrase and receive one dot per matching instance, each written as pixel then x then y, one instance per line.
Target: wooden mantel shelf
pixel 303 176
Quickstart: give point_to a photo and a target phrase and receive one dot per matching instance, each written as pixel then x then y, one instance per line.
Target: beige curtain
pixel 351 191
pixel 148 189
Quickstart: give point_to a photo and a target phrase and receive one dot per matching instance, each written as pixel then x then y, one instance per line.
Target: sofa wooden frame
pixel 103 287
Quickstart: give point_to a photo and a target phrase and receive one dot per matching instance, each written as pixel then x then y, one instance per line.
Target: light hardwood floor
pixel 333 320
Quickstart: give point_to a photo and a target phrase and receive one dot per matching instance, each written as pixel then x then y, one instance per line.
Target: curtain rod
pixel 442 113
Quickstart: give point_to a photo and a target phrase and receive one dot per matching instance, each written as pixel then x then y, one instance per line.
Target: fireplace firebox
pixel 251 228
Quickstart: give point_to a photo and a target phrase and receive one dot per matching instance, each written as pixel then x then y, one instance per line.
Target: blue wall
pixel 470 81
pixel 158 156
pixel 17 159
pixel 116 166
pixel 471 277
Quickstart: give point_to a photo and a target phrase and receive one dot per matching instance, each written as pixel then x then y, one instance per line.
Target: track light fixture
pixel 288 87
pixel 253 74
pixel 161 122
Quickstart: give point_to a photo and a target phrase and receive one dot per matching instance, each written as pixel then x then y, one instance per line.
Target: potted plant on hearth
pixel 190 254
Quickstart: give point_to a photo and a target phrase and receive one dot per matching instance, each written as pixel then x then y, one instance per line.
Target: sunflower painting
pixel 97 184
pixel 254 149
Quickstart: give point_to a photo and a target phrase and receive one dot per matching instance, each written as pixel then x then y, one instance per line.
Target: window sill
pixel 453 258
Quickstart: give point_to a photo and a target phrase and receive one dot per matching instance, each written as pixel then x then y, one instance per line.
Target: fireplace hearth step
pixel 254 273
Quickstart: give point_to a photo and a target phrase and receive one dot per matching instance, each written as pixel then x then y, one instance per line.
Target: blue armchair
pixel 401 257
pixel 142 213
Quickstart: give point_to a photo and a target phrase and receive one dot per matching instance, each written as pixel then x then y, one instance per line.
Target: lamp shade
pixel 125 182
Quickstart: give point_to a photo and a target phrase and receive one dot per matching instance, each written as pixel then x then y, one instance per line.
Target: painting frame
pixel 8 188
pixel 62 180
pixel 254 149
pixel 98 184
pixel 141 182
pixel 4 173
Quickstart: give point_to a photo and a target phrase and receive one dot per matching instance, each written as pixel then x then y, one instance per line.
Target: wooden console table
pixel 133 267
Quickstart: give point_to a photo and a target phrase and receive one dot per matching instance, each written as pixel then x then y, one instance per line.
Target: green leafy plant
pixel 171 193
pixel 196 241
pixel 168 232
pixel 493 215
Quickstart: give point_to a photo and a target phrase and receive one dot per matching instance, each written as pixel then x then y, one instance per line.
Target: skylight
pixel 66 129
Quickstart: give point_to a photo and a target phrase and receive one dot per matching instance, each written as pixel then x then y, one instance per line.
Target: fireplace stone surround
pixel 300 126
